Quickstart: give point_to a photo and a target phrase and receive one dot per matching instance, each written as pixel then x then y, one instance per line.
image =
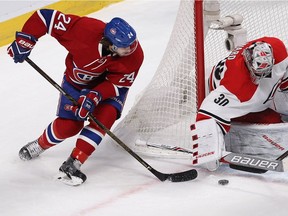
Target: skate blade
pixel 73 181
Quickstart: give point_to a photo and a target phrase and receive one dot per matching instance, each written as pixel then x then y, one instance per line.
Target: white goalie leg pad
pixel 208 144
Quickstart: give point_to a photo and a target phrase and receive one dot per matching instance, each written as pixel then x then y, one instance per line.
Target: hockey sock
pixel 91 135
pixel 80 155
pixel 59 130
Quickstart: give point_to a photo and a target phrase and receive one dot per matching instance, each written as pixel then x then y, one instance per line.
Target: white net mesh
pixel 167 108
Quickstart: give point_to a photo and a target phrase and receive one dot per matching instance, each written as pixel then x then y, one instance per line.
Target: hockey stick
pixel 256 164
pixel 173 177
pixel 256 170
pixel 236 161
pixel 139 142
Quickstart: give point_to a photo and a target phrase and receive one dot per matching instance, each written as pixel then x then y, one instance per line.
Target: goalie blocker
pixel 207 143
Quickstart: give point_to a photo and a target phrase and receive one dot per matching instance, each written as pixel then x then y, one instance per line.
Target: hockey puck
pixel 223 182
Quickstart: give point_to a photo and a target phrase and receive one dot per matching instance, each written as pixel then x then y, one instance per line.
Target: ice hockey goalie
pixel 249 85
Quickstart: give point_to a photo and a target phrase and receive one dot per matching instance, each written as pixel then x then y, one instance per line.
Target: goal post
pixel 204 33
pixel 199 51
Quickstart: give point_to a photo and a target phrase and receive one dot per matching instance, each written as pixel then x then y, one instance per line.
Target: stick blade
pixel 183 176
pixel 176 177
pixel 247 169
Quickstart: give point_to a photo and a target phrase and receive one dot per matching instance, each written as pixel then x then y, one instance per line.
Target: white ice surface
pixel 117 184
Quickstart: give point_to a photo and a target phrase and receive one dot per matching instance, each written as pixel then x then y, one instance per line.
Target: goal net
pixel 159 122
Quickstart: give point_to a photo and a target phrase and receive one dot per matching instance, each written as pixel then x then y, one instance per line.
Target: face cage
pixel 125 51
pixel 256 75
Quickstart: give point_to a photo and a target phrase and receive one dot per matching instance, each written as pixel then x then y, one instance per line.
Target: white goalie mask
pixel 259 60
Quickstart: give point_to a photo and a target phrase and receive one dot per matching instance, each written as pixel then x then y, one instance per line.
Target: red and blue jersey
pixel 87 65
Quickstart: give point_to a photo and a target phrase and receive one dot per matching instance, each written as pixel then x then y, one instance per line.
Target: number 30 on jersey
pixel 221 100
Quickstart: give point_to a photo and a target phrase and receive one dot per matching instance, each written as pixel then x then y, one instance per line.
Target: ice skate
pixel 30 151
pixel 70 173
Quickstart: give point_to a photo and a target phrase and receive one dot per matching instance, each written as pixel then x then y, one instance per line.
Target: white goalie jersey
pixel 233 95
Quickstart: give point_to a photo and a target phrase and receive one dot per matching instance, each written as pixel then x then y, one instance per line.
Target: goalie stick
pixel 173 177
pixel 162 146
pixel 256 164
pixel 237 161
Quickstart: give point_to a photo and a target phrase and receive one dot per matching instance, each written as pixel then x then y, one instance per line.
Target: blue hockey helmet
pixel 121 35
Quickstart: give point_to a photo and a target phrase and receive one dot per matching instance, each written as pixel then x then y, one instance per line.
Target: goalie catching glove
pixel 21 47
pixel 88 100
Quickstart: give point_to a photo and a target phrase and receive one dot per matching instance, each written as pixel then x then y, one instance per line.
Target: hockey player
pixel 241 86
pixel 102 63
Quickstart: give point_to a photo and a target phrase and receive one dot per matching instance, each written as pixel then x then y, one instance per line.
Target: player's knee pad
pixel 65 128
pixel 106 114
